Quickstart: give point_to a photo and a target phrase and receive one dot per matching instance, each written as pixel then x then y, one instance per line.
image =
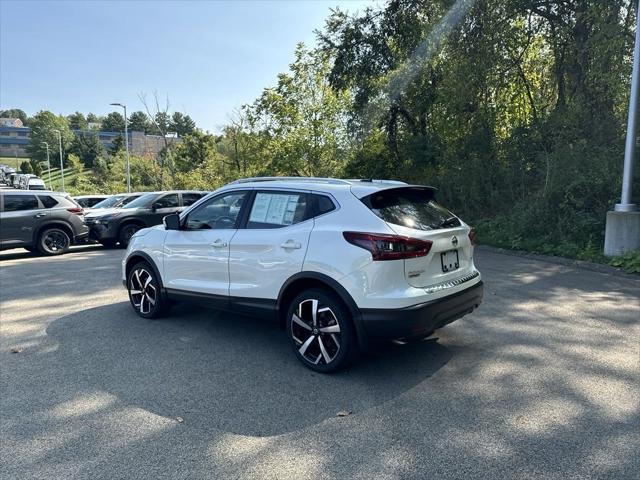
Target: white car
pixel 337 262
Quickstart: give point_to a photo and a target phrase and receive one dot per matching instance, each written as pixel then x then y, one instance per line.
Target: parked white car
pixel 337 262
pixel 35 183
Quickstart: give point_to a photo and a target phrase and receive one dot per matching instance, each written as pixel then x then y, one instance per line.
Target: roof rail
pixel 334 181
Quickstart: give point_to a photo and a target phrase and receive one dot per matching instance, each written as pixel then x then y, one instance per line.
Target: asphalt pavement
pixel 541 382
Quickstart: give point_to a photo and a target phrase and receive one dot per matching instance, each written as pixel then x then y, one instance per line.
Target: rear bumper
pixel 422 318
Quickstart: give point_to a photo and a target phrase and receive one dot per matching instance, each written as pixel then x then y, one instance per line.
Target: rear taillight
pixel 389 247
pixel 76 210
pixel 472 236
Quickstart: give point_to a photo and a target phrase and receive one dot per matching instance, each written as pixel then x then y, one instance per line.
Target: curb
pixel 567 262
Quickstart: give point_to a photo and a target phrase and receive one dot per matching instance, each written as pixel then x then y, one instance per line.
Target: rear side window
pixel 278 209
pixel 190 198
pixel 167 201
pixel 412 208
pixel 16 203
pixel 324 204
pixel 48 201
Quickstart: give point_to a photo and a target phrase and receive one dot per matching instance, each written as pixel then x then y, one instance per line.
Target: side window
pixel 15 203
pixel 190 198
pixel 48 201
pixel 324 204
pixel 278 209
pixel 167 201
pixel 218 213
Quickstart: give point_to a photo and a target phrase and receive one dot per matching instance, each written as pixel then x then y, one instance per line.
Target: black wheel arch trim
pixel 60 224
pixel 142 256
pixel 342 293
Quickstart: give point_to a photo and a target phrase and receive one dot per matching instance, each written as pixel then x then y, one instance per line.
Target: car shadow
pixel 224 371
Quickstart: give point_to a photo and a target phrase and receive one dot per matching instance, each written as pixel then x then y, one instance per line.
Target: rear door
pixel 271 245
pixel 20 218
pixel 412 212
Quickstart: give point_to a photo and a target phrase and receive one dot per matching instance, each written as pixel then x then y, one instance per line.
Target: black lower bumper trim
pixel 422 318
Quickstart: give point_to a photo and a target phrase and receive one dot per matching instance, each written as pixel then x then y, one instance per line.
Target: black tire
pixel 126 232
pixel 53 241
pixel 108 243
pixel 329 344
pixel 145 293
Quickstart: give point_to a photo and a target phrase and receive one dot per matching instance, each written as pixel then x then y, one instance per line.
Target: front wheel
pixel 145 294
pixel 321 331
pixel 126 232
pixel 53 241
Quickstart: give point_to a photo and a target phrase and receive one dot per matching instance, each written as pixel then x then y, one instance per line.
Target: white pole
pixel 625 204
pixel 126 142
pixel 61 162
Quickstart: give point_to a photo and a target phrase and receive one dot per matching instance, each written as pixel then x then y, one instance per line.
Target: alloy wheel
pixel 55 241
pixel 316 332
pixel 144 294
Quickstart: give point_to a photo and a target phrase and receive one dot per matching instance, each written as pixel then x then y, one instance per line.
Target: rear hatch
pixel 411 211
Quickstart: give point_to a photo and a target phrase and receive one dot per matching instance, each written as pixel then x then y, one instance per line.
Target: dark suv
pixel 48 222
pixel 111 226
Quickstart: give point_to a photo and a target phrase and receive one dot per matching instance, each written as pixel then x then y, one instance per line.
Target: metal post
pixel 126 143
pixel 61 161
pixel 48 165
pixel 625 204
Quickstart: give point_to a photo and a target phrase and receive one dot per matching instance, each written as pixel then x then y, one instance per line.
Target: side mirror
pixel 154 207
pixel 171 221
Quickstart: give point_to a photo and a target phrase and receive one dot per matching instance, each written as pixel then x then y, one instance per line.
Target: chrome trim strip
pixel 438 287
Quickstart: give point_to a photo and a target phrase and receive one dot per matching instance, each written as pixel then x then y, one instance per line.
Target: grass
pixel 56 178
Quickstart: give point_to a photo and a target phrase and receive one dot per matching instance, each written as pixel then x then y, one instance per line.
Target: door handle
pixel 40 215
pixel 219 244
pixel 291 244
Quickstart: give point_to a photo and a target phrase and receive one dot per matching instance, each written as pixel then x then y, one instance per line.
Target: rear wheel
pixel 145 294
pixel 321 331
pixel 126 232
pixel 53 241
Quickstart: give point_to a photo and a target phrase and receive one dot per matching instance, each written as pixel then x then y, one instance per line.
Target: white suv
pixel 337 262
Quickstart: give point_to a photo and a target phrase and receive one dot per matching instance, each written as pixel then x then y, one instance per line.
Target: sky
pixel 208 57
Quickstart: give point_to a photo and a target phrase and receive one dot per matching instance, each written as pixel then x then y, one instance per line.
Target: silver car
pixel 47 222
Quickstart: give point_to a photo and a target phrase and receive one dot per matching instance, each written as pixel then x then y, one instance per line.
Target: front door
pixel 197 256
pixel 162 207
pixel 19 219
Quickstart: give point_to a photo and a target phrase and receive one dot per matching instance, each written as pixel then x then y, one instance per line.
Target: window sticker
pixel 277 209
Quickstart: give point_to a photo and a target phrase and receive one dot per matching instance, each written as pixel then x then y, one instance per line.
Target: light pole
pixel 126 142
pixel 48 165
pixel 622 233
pixel 61 162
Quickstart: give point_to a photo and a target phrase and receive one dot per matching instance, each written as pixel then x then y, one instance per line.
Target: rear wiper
pixel 450 222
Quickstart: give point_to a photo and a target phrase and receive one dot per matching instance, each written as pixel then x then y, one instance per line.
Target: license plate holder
pixel 450 260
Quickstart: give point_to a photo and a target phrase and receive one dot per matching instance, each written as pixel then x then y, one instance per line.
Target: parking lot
pixel 542 381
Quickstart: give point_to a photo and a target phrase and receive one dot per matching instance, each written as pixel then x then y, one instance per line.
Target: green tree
pixel 43 129
pixel 88 148
pixel 182 124
pixel 77 121
pixel 113 122
pixel 117 145
pixel 139 122
pixel 25 167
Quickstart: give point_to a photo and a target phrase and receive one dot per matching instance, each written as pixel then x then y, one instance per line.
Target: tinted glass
pixel 190 198
pixel 48 201
pixel 218 213
pixel 411 207
pixel 325 204
pixel 142 201
pixel 109 202
pixel 274 210
pixel 15 203
pixel 167 201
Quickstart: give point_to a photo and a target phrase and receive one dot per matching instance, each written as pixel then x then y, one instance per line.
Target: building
pixel 15 140
pixel 11 122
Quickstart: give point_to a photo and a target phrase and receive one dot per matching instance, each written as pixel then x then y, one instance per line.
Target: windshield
pixel 142 201
pixel 109 202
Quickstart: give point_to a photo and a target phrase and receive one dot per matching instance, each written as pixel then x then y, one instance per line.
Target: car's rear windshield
pixel 412 207
pixel 142 201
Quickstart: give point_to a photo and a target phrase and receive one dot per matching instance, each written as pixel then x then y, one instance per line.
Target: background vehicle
pixel 115 201
pixel 35 183
pixel 48 222
pixel 336 261
pixel 24 180
pixel 88 201
pixel 15 180
pixel 117 225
